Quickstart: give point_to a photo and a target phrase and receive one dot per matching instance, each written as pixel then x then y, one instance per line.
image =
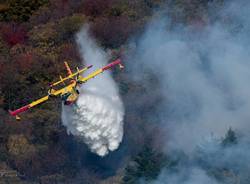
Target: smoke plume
pixel 204 77
pixel 97 117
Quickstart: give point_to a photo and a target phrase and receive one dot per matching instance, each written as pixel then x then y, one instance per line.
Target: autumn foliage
pixel 36 36
pixel 13 33
pixel 96 8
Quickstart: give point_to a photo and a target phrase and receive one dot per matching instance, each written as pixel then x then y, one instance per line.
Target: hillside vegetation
pixel 36 37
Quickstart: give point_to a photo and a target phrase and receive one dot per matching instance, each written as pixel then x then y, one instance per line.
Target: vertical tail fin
pixel 68 68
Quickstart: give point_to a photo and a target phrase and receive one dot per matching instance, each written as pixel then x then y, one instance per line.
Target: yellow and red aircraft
pixel 68 93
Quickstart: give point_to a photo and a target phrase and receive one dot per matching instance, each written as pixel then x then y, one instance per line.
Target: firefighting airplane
pixel 69 93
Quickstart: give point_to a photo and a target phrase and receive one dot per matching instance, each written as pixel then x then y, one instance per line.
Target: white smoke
pixel 97 117
pixel 186 176
pixel 204 78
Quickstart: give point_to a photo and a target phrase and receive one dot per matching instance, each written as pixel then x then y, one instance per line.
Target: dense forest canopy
pixel 36 36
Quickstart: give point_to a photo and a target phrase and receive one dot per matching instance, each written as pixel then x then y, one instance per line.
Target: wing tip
pixel 11 112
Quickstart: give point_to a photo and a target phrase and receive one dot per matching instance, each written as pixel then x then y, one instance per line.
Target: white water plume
pixel 97 117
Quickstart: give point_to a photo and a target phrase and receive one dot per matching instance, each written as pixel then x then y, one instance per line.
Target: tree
pixel 96 8
pixel 41 16
pixel 18 146
pixel 68 26
pixel 16 10
pixel 230 138
pixel 112 32
pixel 147 164
pixel 13 33
pixel 3 49
pixel 44 36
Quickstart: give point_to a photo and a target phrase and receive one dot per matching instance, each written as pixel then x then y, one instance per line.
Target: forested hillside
pixel 36 37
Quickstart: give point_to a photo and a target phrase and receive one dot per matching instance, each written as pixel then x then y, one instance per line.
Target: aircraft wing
pixel 67 88
pixel 41 100
pixel 99 71
pixel 26 107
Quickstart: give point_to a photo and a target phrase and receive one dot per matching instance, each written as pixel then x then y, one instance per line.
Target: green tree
pixel 44 35
pixel 18 146
pixel 3 48
pixel 147 164
pixel 16 10
pixel 68 26
pixel 230 138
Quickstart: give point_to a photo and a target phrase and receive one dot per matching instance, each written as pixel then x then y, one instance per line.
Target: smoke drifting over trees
pixel 203 78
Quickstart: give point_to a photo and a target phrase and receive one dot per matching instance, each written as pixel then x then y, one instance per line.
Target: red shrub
pixel 13 34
